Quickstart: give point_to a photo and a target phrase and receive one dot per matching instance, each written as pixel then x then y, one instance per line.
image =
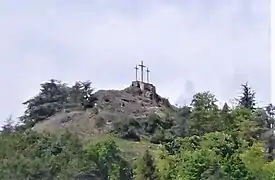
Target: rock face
pixel 144 89
pixel 139 98
pixel 136 101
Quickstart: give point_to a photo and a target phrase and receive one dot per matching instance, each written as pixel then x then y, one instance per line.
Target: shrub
pixel 100 122
pixel 127 129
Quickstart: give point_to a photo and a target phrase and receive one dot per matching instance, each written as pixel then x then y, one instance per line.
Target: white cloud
pixel 215 45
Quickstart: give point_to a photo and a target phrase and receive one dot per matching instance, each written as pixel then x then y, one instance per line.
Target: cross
pixel 147 70
pixel 136 68
pixel 141 67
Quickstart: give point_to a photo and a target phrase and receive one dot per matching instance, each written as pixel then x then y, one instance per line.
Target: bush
pixel 158 136
pixel 100 122
pixel 150 124
pixel 127 129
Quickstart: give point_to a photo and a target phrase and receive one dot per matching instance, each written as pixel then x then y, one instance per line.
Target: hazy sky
pixel 189 46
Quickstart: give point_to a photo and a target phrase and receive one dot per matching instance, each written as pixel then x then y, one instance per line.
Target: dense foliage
pixel 54 97
pixel 30 155
pixel 200 141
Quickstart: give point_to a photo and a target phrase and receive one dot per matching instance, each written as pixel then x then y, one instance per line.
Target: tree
pixel 109 165
pixel 253 159
pixel 247 100
pixel 210 156
pixel 199 164
pixel 75 98
pixel 8 125
pixel 204 116
pixel 268 171
pixel 158 136
pixel 81 94
pixel 244 124
pixel 270 110
pixel 146 168
pixel 234 168
pixel 268 121
pixel 55 96
pixel 31 155
pixel 51 99
pixel 225 108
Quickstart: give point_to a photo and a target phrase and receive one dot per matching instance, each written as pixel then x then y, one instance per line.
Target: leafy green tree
pixel 265 120
pixel 200 141
pixel 108 161
pixel 225 119
pixel 244 124
pixel 254 161
pixel 146 169
pixel 182 117
pixel 127 129
pixel 167 165
pixel 152 123
pixel 204 115
pixel 158 136
pixel 30 155
pixel 221 143
pixel 211 156
pixel 199 164
pixel 268 171
pixel 236 169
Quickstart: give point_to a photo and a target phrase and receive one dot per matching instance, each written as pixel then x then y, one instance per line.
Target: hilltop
pixel 138 101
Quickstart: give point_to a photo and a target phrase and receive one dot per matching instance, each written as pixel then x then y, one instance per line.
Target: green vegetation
pixel 197 142
pixel 54 97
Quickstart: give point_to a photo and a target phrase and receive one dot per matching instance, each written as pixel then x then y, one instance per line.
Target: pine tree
pixel 225 108
pixel 247 100
pixel 8 125
pixel 146 169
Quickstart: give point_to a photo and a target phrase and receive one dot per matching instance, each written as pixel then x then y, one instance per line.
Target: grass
pixel 84 128
pixel 131 150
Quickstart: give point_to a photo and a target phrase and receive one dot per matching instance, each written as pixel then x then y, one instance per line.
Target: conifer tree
pixel 146 169
pixel 225 108
pixel 247 100
pixel 8 125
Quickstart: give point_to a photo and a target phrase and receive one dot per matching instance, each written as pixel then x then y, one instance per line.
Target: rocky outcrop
pixel 139 100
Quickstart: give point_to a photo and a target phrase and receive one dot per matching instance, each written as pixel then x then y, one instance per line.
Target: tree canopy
pixel 199 141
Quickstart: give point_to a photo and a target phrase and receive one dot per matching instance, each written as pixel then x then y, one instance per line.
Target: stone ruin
pixel 146 90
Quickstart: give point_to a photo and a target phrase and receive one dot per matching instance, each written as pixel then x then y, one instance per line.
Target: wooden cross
pixel 141 67
pixel 136 68
pixel 147 75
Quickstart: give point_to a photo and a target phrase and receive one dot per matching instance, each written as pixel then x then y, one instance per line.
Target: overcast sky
pixel 189 46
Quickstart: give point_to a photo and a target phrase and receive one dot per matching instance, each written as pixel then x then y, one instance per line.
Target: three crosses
pixel 141 68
